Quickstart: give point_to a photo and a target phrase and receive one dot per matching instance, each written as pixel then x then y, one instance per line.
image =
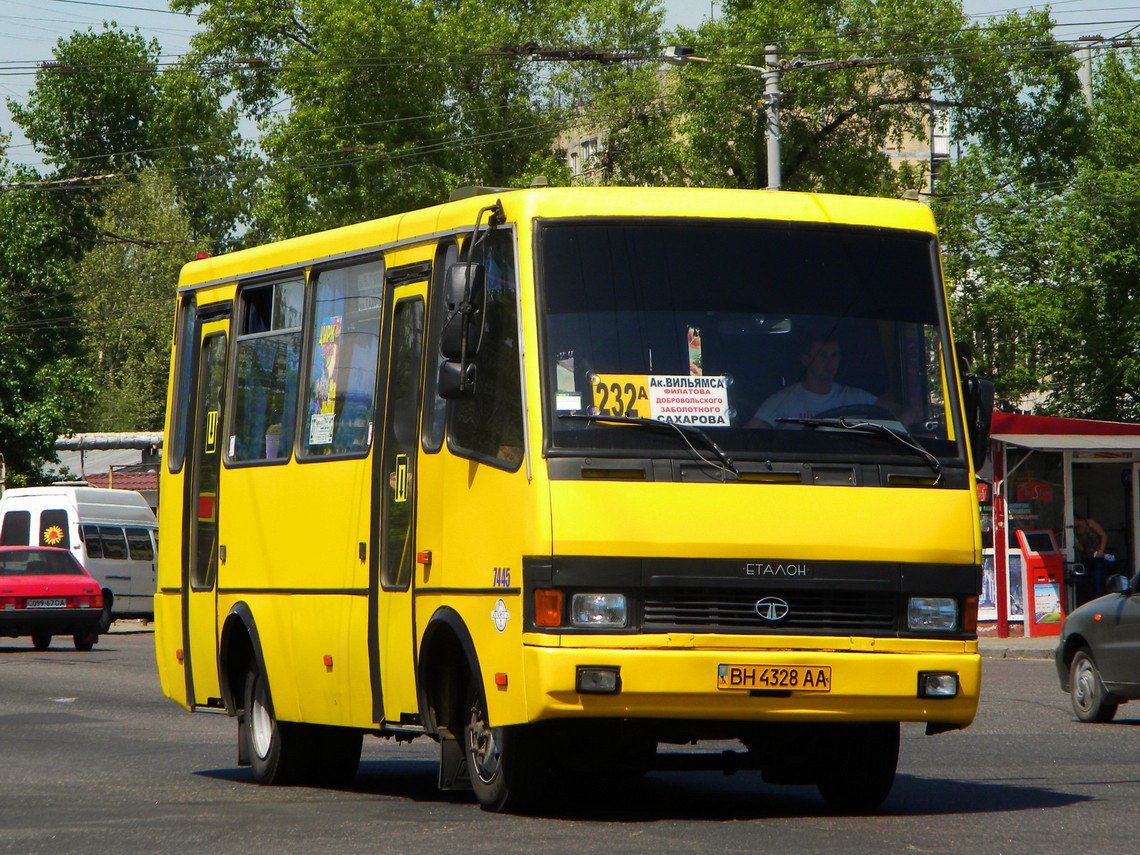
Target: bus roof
pixel 553 202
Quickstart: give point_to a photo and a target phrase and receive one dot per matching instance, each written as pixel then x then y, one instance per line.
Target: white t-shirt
pixel 796 402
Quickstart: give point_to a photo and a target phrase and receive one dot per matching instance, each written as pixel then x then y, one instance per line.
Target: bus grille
pixel 814 611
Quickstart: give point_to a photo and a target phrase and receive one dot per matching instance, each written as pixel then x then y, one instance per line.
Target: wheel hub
pixel 482 746
pixel 262 728
pixel 1084 689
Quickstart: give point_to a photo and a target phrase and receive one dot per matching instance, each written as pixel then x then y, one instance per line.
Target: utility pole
pixel 772 114
pixel 770 73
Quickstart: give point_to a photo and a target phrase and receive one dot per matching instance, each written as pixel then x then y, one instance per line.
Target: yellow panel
pixel 682 684
pixel 751 520
pixel 167 641
pixel 291 546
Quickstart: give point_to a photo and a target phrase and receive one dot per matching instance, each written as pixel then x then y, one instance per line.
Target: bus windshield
pixel 766 335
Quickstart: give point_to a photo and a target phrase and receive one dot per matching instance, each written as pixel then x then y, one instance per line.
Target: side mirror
pixel 1118 584
pixel 455 380
pixel 465 295
pixel 978 403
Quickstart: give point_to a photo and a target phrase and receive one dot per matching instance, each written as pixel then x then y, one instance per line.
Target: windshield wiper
pixel 685 431
pixel 873 429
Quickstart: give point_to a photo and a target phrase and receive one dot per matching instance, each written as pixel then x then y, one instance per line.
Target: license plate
pixel 795 678
pixel 56 603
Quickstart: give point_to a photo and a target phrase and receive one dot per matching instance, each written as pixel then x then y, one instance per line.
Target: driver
pixel 816 392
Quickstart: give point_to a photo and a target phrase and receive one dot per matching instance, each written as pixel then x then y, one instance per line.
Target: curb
pixel 1015 653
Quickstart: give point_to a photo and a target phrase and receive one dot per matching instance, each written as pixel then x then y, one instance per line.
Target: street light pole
pixel 770 73
pixel 772 115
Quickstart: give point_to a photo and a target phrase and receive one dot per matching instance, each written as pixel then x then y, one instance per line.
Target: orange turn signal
pixel 970 615
pixel 547 607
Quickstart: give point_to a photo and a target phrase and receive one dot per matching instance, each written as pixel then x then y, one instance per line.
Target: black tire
pixel 41 640
pixel 85 640
pixel 502 762
pixel 858 770
pixel 1091 701
pixel 105 618
pixel 278 752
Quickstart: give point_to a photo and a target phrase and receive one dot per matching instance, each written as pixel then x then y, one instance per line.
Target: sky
pixel 30 28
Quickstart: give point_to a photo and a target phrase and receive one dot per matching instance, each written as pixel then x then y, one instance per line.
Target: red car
pixel 46 592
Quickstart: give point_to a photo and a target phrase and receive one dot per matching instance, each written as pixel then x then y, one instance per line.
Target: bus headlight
pixel 603 610
pixel 932 613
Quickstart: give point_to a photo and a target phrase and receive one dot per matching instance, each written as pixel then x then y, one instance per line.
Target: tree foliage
pixel 43 382
pixel 376 106
pixel 107 106
pixel 124 287
pixel 1046 268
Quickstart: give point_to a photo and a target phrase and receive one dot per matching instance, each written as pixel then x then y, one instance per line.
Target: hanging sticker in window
pixel 321 428
pixel 212 418
pixel 677 399
pixel 53 535
pixel 696 365
pixel 325 365
pixel 401 478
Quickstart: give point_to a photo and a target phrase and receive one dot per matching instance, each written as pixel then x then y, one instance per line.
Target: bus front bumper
pixel 683 684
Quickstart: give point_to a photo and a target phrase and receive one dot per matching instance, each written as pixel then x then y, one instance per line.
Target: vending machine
pixel 1044 582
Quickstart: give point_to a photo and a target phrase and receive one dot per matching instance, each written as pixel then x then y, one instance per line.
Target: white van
pixel 113 533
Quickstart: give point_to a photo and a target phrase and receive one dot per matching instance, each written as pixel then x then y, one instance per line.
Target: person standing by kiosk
pixel 1091 542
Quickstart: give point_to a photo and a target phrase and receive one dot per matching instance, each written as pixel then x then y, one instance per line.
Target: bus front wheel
pixel 503 762
pixel 859 769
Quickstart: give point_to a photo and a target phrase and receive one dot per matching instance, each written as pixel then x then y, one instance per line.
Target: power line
pixel 132 8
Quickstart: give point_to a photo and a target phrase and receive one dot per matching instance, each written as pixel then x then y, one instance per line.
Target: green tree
pixel 124 288
pixel 43 380
pixel 107 106
pixel 857 75
pixel 369 107
pixel 1045 268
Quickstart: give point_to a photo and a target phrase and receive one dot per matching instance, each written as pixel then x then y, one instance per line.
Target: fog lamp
pixel 597 681
pixel 932 613
pixel 605 610
pixel 935 684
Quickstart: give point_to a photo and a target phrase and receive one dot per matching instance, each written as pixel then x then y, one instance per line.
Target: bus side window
pixel 17 528
pixel 93 541
pixel 344 339
pixel 184 359
pixel 435 407
pixel 54 529
pixel 268 356
pixel 114 544
pixel 138 543
pixel 488 426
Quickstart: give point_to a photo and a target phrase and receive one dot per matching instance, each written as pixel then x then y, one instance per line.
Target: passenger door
pixel 200 552
pixel 395 466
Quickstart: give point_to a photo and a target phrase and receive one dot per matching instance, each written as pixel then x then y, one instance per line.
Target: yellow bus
pixel 559 476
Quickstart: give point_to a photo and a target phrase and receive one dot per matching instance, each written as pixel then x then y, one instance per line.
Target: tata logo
pixel 771 608
pixel 776 570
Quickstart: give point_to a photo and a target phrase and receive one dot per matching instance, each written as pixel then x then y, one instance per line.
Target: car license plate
pixel 55 603
pixel 795 678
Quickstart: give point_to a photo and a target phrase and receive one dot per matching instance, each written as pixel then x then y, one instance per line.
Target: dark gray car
pixel 1098 659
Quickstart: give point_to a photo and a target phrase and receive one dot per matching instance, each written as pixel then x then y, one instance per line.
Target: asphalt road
pixel 93 759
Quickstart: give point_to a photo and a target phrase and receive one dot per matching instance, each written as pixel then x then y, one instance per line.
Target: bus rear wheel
pixel 292 753
pixel 503 762
pixel 858 770
pixel 278 753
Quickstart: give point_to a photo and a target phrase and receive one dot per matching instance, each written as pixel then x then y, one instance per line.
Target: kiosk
pixel 1044 582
